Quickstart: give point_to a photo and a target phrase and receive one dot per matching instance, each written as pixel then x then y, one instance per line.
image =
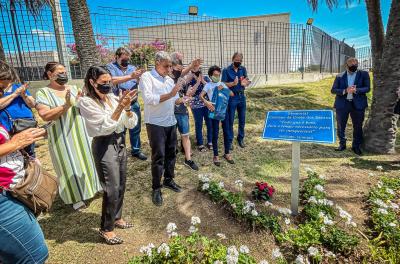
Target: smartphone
pixel 48 124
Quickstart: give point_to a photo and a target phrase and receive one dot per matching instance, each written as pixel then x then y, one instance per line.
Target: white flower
pixel 171 227
pixel 319 188
pixel 192 229
pixel 195 220
pixel 276 254
pixel 345 215
pixel 204 178
pixel 244 249
pixel 163 248
pixel 379 184
pixel 173 234
pixel 381 203
pixel 248 207
pixel 371 174
pixel 321 214
pixel 382 211
pixel 327 221
pixel 287 221
pixel 300 260
pixel 218 262
pixel 390 191
pixel 394 206
pixel 312 251
pixel 205 187
pixel 379 168
pixel 234 206
pixel 393 224
pixel 221 236
pixel 254 212
pixel 312 199
pixel 330 254
pixel 221 185
pixel 268 204
pixel 263 262
pixel 285 211
pixel 353 224
pixel 147 249
pixel 239 184
pixel 309 170
pixel 323 229
pixel 322 177
pixel 232 255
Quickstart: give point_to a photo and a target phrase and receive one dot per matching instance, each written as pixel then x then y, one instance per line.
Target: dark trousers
pixel 109 155
pixel 237 103
pixel 134 133
pixel 163 156
pixel 357 118
pixel 199 115
pixel 215 133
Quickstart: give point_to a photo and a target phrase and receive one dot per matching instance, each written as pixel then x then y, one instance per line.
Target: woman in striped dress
pixel 68 140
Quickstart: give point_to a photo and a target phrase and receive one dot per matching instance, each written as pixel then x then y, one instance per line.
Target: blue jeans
pixel 21 239
pixel 237 102
pixel 134 133
pixel 199 115
pixel 215 133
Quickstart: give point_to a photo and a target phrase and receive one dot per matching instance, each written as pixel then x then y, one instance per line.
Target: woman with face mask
pixel 68 140
pixel 106 117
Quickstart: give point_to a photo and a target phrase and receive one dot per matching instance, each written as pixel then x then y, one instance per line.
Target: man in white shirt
pixel 160 95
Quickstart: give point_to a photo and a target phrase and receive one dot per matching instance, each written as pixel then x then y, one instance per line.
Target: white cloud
pixel 359 41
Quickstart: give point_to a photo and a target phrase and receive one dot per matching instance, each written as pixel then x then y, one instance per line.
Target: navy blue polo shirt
pixel 115 71
pixel 229 75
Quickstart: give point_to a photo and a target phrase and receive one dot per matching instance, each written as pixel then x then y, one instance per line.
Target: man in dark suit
pixel 351 87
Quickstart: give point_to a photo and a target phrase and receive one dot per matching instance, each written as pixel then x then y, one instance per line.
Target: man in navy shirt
pixel 125 77
pixel 235 77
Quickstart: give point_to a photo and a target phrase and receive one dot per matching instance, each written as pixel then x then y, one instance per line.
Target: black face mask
pixel 62 78
pixel 124 63
pixel 353 68
pixel 237 64
pixel 197 73
pixel 176 74
pixel 104 88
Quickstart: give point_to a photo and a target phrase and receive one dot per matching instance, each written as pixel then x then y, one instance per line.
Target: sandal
pixel 230 161
pixel 111 241
pixel 217 162
pixel 202 148
pixel 124 226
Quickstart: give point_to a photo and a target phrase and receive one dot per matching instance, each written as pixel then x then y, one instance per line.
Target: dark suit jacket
pixel 362 83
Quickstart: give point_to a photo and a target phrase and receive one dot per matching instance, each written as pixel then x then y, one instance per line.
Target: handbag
pixel 38 189
pixel 20 124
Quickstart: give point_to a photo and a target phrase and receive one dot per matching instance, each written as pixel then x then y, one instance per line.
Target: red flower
pixel 261 187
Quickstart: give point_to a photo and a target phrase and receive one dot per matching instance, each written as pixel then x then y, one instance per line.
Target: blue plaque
pixel 300 125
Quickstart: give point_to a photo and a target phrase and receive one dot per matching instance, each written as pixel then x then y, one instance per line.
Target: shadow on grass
pixel 372 164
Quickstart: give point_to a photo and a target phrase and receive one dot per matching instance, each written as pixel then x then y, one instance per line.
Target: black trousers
pixel 110 159
pixel 163 145
pixel 357 118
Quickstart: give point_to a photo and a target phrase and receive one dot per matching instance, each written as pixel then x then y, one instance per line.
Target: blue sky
pixel 350 23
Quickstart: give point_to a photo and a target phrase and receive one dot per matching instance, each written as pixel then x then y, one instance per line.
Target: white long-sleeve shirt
pixel 98 117
pixel 153 85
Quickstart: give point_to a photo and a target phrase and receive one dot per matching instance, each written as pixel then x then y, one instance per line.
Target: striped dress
pixel 69 146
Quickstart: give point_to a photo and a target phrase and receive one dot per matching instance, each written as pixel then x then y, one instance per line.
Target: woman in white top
pixel 106 117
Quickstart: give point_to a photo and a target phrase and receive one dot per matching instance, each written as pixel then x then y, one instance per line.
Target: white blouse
pixel 98 117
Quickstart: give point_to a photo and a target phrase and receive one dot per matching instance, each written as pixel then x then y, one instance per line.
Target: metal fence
pixel 364 58
pixel 269 47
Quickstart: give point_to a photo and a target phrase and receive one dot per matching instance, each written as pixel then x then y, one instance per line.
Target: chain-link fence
pixel 270 44
pixel 364 58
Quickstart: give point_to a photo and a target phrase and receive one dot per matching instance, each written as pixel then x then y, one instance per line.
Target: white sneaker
pixel 78 205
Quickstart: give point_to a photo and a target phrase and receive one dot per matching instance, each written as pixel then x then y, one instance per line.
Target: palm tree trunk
pixel 83 34
pixel 2 53
pixel 380 128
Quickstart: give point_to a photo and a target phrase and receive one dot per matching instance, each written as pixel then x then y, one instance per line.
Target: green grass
pixel 72 236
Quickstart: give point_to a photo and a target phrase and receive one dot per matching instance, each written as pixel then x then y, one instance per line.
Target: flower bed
pixel 234 202
pixel 194 248
pixel 384 211
pixel 319 236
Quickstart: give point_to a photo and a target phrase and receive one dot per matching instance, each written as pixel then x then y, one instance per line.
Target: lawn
pixel 72 236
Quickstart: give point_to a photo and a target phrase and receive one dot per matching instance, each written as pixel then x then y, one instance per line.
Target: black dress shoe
pixel 172 185
pixel 340 148
pixel 157 197
pixel 241 143
pixel 140 156
pixel 357 151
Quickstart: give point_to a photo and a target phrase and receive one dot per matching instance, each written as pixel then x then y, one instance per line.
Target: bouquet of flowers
pixel 263 191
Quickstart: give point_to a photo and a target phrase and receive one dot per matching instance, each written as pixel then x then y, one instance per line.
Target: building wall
pixel 261 39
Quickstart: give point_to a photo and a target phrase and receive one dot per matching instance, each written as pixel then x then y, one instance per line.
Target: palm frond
pixel 33 6
pixel 329 3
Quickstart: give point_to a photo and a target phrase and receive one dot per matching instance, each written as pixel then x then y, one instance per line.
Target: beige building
pixel 263 40
pixel 32 59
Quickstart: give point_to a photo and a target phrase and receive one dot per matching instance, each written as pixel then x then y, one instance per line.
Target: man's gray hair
pixel 162 56
pixel 176 58
pixel 237 54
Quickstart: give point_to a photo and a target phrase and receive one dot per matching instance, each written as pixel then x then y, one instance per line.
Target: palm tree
pixel 83 34
pixel 34 7
pixel 380 127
